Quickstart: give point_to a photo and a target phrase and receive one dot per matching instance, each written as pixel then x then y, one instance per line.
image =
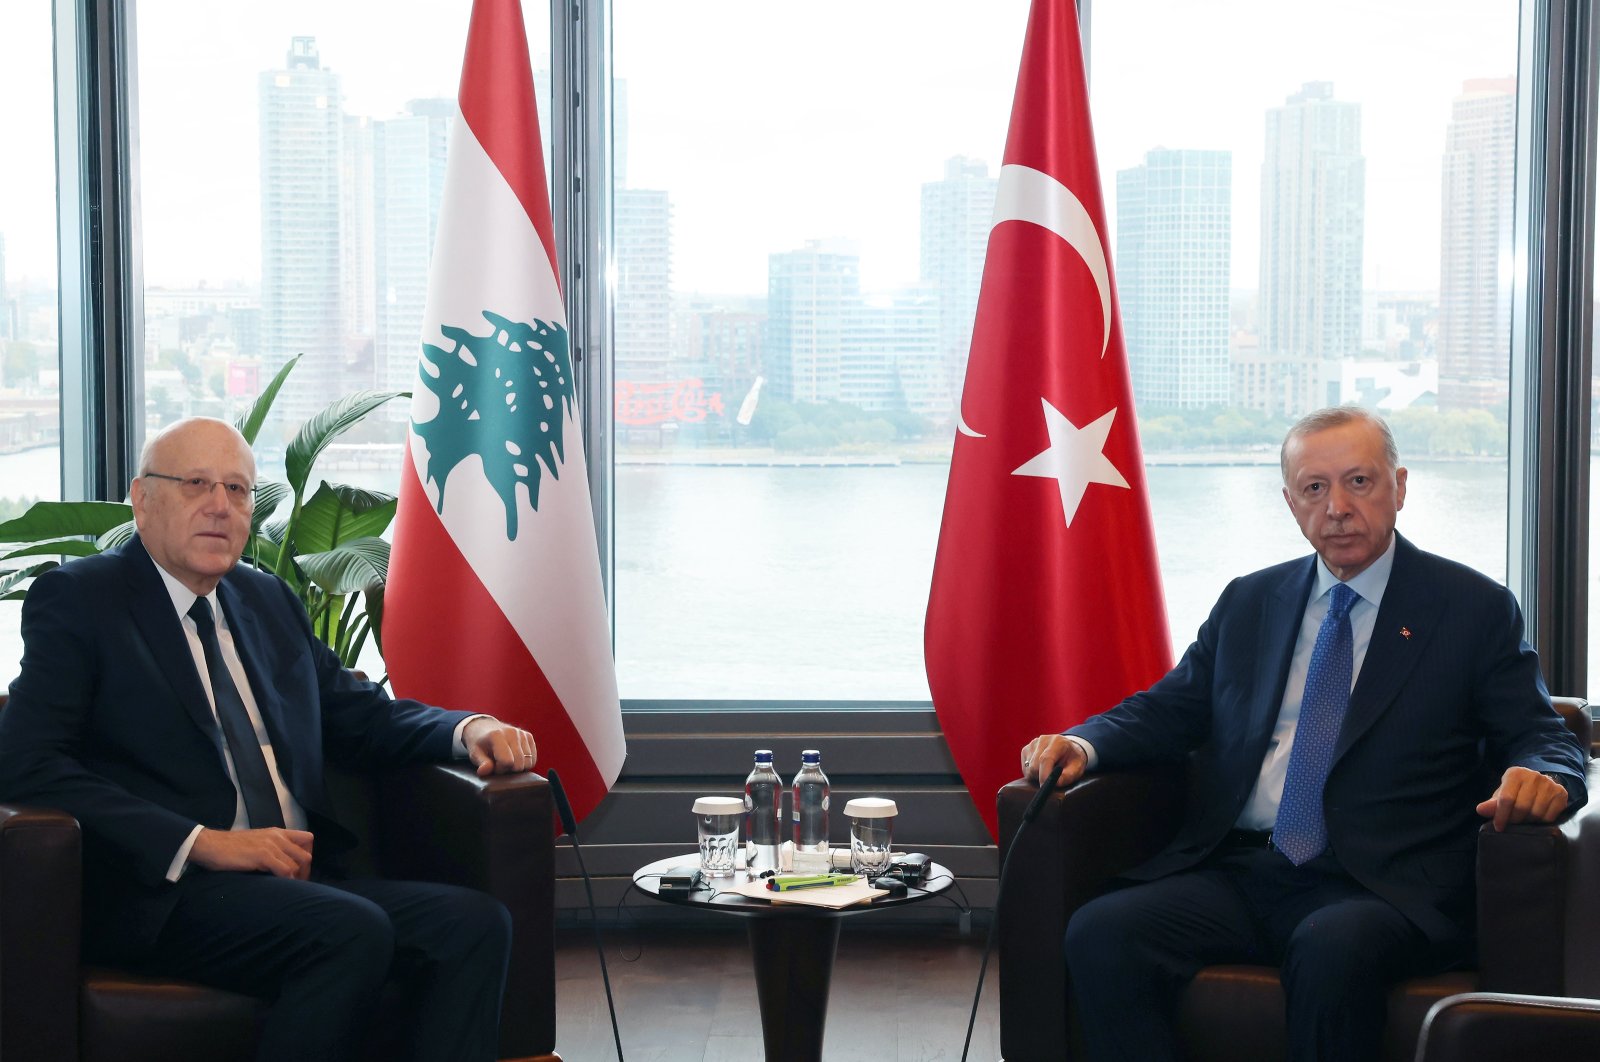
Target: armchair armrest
pixel 441 822
pixel 40 933
pixel 1536 912
pixel 1487 1026
pixel 1084 836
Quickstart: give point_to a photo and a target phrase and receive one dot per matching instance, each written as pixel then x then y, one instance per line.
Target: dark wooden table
pixel 791 947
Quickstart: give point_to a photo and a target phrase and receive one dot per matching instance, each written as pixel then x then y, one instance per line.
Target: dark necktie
pixel 249 765
pixel 1301 831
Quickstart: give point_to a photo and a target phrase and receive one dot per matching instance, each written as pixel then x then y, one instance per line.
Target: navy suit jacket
pixel 1448 697
pixel 109 722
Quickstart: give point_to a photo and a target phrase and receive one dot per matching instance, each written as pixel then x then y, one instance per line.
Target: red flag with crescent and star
pixel 1046 603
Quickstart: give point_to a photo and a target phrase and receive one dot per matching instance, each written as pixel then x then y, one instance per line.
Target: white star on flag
pixel 1074 458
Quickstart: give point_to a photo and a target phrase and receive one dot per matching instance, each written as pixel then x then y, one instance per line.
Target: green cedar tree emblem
pixel 505 397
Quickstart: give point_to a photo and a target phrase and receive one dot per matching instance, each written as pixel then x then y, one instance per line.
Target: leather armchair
pixel 1536 910
pixel 437 822
pixel 1502 1027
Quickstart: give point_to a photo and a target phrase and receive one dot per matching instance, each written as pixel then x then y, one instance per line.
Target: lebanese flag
pixel 1046 603
pixel 494 601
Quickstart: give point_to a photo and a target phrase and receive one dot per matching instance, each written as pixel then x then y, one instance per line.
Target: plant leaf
pixel 116 536
pixel 348 567
pixel 315 434
pixel 337 514
pixel 53 519
pixel 372 600
pixel 249 423
pixel 269 495
pixel 10 583
pixel 54 547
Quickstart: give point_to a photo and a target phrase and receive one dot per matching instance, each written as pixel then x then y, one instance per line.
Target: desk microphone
pixel 1046 787
pixel 569 824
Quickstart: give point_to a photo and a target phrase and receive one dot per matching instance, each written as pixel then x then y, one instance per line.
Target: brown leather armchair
pixel 1502 1027
pixel 438 822
pixel 1536 896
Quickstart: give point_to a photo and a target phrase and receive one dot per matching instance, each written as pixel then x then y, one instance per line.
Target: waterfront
pixel 741 582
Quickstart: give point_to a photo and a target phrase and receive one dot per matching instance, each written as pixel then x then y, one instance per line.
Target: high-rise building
pixel 642 221
pixel 889 357
pixel 808 293
pixel 356 267
pixel 1174 243
pixel 302 129
pixel 1313 197
pixel 408 164
pixel 1474 342
pixel 957 213
pixel 6 331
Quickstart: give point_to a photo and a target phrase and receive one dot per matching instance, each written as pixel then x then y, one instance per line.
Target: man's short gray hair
pixel 1333 417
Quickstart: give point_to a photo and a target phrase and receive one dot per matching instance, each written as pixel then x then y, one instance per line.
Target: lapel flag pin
pixel 1405 632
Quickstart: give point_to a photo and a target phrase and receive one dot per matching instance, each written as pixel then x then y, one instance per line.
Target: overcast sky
pixel 772 124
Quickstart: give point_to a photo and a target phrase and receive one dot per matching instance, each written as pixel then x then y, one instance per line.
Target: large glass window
pixel 1291 225
pixel 30 418
pixel 802 201
pixel 1310 205
pixel 290 208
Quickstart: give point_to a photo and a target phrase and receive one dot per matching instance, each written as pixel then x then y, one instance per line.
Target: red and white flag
pixel 494 600
pixel 1046 603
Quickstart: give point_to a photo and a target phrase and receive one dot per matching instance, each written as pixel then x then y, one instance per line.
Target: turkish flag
pixel 1046 603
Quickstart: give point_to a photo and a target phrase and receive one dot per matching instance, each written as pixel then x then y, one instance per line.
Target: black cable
pixel 570 825
pixel 1000 890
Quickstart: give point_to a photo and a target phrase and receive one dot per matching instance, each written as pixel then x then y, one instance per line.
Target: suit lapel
pixel 1406 619
pixel 157 623
pixel 1281 615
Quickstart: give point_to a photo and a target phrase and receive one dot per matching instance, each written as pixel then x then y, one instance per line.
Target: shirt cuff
pixel 1091 758
pixel 180 862
pixel 459 746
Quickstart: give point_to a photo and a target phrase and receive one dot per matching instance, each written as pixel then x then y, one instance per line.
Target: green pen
pixel 791 882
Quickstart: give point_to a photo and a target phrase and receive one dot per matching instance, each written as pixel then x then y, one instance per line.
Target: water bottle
pixel 763 808
pixel 811 816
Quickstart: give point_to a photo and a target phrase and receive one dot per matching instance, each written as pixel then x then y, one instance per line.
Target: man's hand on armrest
pixel 284 853
pixel 498 748
pixel 1040 756
pixel 1524 796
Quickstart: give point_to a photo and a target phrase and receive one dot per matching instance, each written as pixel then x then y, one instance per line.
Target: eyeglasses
pixel 240 494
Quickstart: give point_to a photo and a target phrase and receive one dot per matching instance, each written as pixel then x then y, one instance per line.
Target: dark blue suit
pixel 108 721
pixel 1449 695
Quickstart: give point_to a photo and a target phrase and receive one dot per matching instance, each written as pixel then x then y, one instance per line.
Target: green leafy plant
pixel 328 547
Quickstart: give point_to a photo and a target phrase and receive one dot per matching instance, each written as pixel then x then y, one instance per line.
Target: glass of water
pixel 871 834
pixel 718 820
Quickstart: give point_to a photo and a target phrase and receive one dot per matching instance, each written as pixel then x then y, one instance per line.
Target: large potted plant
pixel 328 547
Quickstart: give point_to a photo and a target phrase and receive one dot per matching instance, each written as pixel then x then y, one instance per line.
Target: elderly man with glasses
pixel 178 704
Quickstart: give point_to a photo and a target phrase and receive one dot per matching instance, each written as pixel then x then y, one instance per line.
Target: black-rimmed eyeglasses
pixel 240 494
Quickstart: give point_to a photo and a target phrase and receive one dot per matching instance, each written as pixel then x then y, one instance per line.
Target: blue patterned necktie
pixel 1301 831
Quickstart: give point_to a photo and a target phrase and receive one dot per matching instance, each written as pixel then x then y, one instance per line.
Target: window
pixel 799 231
pixel 1303 225
pixel 30 365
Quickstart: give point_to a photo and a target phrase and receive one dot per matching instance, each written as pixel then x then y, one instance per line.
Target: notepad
pixel 833 897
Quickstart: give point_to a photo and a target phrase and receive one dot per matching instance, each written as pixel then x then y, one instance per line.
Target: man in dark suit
pixel 1347 718
pixel 179 706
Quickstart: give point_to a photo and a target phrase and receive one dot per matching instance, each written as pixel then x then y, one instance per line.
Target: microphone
pixel 569 823
pixel 1046 787
pixel 564 807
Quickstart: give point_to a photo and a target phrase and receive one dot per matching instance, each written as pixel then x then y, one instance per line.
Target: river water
pixel 756 583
